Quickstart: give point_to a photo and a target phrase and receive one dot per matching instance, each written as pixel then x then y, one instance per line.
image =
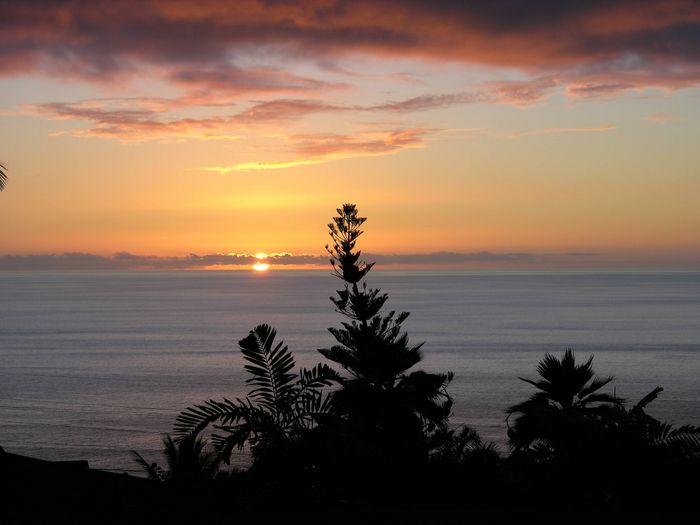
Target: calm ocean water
pixel 93 365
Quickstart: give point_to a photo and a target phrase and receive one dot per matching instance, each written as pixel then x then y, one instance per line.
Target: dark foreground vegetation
pixel 367 437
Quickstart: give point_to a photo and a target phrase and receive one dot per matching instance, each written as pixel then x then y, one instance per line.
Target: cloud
pixel 318 148
pixel 143 119
pixel 283 110
pixel 232 81
pixel 450 258
pixel 445 259
pixel 552 131
pixel 517 93
pixel 140 119
pixel 110 119
pixel 661 118
pixel 103 41
pixel 263 165
pixel 129 261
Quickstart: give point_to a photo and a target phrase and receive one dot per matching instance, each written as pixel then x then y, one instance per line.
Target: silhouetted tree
pixel 566 411
pixel 638 450
pixel 3 177
pixel 188 461
pixel 388 412
pixel 280 410
pixel 642 433
pixel 456 447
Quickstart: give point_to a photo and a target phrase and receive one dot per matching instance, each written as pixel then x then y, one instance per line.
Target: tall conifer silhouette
pixel 389 411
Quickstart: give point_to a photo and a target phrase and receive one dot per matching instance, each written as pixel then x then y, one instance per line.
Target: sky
pixel 500 134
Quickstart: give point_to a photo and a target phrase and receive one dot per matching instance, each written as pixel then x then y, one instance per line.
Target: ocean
pixel 95 364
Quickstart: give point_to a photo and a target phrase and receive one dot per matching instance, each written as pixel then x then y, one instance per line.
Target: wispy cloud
pixel 141 119
pixel 137 120
pixel 319 148
pixel 661 118
pixel 554 131
pixel 263 165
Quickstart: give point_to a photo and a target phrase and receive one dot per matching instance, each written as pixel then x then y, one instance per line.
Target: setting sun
pixel 261 266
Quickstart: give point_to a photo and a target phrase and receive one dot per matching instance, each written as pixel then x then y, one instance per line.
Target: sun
pixel 261 265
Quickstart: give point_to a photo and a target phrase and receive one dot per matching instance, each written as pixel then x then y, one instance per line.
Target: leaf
pixel 194 419
pixel 651 396
pixel 269 367
pixel 154 471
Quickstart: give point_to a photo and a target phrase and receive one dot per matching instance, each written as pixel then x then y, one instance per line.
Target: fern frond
pixel 154 471
pixel 269 367
pixel 194 419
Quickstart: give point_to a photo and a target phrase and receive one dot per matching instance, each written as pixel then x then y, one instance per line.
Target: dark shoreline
pixel 39 491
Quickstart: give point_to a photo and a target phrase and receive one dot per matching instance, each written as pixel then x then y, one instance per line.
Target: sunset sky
pixel 480 134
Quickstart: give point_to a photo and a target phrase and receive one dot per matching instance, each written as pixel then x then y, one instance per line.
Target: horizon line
pixel 287 261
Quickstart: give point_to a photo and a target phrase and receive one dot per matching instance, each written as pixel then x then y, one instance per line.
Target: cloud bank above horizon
pixel 285 260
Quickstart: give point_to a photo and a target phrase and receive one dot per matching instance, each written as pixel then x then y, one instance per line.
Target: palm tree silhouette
pixel 640 434
pixel 566 408
pixel 188 461
pixel 3 177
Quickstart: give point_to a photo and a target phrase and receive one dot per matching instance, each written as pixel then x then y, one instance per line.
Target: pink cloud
pixel 138 119
pixel 103 40
pixel 661 118
pixel 554 131
pixel 322 147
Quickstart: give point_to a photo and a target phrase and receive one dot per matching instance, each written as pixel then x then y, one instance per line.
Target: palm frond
pixel 194 419
pixel 154 471
pixel 269 366
pixel 602 398
pixel 651 396
pixel 594 385
pixel 3 177
pixel 681 444
pixel 235 437
pixel 317 377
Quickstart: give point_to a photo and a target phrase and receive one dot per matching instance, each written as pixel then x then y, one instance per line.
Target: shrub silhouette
pixel 586 445
pixel 278 412
pixel 561 416
pixel 188 461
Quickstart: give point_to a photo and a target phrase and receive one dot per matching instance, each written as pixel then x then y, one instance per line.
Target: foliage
pixel 640 435
pixel 380 433
pixel 562 415
pixel 461 447
pixel 277 412
pixel 188 461
pixel 388 411
pixel 3 177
